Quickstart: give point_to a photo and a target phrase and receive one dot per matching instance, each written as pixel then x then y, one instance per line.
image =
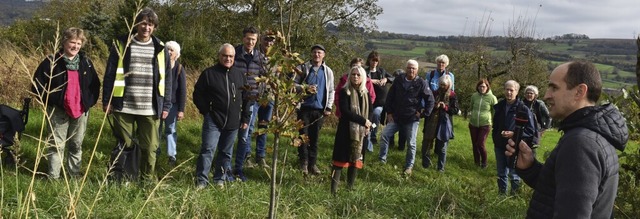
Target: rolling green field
pixel 398 47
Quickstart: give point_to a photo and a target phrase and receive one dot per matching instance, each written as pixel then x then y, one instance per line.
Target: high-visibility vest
pixel 118 84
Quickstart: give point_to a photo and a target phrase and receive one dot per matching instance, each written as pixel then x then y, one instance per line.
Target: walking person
pixel 67 83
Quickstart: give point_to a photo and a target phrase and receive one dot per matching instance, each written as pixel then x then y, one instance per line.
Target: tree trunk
pixel 274 164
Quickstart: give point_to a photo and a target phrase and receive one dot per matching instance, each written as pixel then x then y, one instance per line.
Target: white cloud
pixel 595 18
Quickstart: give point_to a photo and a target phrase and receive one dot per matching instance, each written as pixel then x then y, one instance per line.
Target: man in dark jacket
pixel 137 88
pixel 248 60
pixel 580 177
pixel 404 107
pixel 219 96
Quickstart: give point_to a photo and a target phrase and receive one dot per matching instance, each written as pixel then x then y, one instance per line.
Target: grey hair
pixel 443 58
pixel 173 45
pixel 513 83
pixel 226 45
pixel 413 62
pixel 445 79
pixel 532 88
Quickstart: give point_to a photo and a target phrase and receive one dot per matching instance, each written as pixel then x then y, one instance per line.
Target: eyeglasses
pixel 355 75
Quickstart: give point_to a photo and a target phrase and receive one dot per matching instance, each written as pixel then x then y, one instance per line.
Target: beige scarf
pixel 357 131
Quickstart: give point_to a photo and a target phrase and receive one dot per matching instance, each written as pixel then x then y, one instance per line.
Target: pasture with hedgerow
pixel 463 190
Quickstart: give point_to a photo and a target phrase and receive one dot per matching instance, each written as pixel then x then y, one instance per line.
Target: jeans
pixel 478 139
pixel 212 138
pixel 170 131
pixel 244 139
pixel 313 120
pixel 264 116
pixel 439 150
pixel 411 130
pixel 67 133
pixel 503 170
pixel 375 119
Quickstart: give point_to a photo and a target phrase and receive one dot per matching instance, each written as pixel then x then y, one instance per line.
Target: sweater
pixel 481 107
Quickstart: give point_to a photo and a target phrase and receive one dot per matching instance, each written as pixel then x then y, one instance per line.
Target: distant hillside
pixel 12 10
pixel 615 58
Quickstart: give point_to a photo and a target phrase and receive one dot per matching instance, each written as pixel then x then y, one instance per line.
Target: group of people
pixel 144 85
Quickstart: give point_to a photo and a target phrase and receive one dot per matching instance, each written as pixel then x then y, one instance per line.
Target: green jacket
pixel 481 106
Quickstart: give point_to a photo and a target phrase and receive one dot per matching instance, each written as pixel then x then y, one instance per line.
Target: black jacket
pixel 580 177
pixel 403 103
pixel 381 90
pixel 504 120
pixel 179 86
pixel 89 81
pixel 219 91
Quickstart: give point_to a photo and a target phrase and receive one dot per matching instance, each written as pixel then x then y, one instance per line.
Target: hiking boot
pixel 304 167
pixel 261 162
pixel 172 161
pixel 314 170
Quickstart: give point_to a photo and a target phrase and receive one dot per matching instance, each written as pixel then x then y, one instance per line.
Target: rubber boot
pixel 335 179
pixel 351 176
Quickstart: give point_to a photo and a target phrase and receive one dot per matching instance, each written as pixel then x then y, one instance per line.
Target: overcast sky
pixel 595 18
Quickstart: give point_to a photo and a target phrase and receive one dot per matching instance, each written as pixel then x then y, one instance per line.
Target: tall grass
pixel 463 191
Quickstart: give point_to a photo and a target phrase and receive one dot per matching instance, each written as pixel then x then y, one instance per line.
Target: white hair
pixel 413 62
pixel 443 58
pixel 363 76
pixel 532 88
pixel 173 45
pixel 227 45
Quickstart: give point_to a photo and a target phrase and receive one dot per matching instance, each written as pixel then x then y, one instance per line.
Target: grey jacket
pixel 580 177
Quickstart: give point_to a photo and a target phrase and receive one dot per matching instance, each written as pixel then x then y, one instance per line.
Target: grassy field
pixel 463 191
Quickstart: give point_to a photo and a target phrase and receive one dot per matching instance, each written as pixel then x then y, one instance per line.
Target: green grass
pixel 464 191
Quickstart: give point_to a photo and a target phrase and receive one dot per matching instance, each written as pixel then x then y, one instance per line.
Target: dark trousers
pixel 312 120
pixel 478 140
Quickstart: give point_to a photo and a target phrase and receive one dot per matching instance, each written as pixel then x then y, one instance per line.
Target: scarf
pixel 360 106
pixel 72 64
pixel 432 122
